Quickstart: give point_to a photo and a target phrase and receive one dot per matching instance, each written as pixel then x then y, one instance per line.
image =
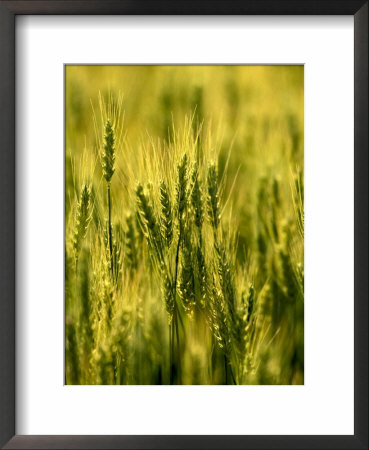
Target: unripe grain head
pixel 213 199
pixel 182 186
pixel 108 156
pixel 83 218
pixel 166 220
pixel 196 197
pixel 151 227
pixel 187 280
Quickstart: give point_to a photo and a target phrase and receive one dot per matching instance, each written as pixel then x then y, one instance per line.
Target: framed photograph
pixel 184 245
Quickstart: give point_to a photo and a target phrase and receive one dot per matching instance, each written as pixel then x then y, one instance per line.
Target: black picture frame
pixel 8 11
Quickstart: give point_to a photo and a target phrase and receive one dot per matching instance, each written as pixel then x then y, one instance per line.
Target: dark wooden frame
pixel 8 11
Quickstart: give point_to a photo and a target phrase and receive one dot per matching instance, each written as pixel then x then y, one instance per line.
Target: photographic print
pixel 184 225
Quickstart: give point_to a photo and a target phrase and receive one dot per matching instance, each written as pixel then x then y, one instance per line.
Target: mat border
pixel 8 12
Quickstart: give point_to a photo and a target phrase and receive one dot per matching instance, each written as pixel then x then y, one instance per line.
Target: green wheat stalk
pixel 83 218
pixel 108 160
pixel 166 215
pixel 213 197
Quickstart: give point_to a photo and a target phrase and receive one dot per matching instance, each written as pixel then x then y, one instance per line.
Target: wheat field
pixel 184 225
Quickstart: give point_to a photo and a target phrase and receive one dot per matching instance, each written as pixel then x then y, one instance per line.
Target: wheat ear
pixel 83 218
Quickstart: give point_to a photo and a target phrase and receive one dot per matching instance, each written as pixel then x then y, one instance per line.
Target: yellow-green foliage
pixel 184 250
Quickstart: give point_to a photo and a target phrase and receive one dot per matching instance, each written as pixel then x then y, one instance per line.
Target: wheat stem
pixel 110 233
